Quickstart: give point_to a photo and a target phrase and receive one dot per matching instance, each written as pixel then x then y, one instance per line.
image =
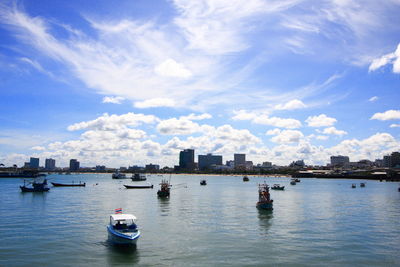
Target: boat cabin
pixel 123 221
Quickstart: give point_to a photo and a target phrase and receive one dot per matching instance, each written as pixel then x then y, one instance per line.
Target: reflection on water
pixel 121 254
pixel 265 220
pixel 163 204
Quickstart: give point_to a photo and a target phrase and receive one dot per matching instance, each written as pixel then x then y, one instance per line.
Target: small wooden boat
pixel 137 177
pixel 138 186
pixel 278 187
pixel 73 184
pixel 293 182
pixel 353 186
pixel 264 200
pixel 203 182
pixel 165 189
pixel 36 187
pixel 245 178
pixel 123 229
pixel 362 184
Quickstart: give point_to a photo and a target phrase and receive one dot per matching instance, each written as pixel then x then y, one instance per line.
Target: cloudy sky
pixel 133 82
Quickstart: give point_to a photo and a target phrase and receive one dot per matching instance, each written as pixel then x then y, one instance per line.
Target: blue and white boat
pixel 123 229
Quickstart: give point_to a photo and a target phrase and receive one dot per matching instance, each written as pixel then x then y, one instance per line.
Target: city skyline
pixel 144 80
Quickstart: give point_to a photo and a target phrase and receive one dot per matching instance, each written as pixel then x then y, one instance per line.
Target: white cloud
pixel 387 115
pixel 38 148
pixel 171 68
pixel 293 104
pixel 394 125
pixel 275 131
pixel 391 58
pixel 113 99
pixel 243 115
pixel 195 117
pixel 288 136
pixel 320 121
pixel 155 102
pixel 333 130
pixel 277 122
pixel 373 99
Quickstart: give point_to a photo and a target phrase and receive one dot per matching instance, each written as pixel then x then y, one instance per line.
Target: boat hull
pixel 278 188
pixel 27 189
pixel 138 186
pixel 60 185
pixel 120 238
pixel 162 193
pixel 264 205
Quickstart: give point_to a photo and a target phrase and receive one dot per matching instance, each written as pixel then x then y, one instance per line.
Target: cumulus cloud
pixel 171 68
pixel 320 121
pixel 176 126
pixel 38 148
pixel 387 115
pixel 391 58
pixel 373 99
pixel 288 136
pixel 265 119
pixel 113 99
pixel 155 102
pixel 273 131
pixel 333 130
pixel 394 125
pixel 195 117
pixel 293 104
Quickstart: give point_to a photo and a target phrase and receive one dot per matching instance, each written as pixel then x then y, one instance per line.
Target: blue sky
pixel 134 82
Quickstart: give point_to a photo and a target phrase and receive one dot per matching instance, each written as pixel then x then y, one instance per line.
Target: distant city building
pixel 206 161
pixel 34 163
pixel 339 161
pixel 186 160
pixel 74 165
pixel 395 160
pixel 100 168
pixel 266 164
pixel 26 165
pixel 387 161
pixel 249 165
pixel 152 167
pixel 378 163
pixel 240 160
pixel 230 163
pixel 50 164
pixel 297 164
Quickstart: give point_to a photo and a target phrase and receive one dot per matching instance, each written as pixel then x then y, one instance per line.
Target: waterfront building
pixel 339 161
pixel 249 165
pixel 74 165
pixel 205 161
pixel 387 161
pixel 34 163
pixel 395 160
pixel 240 161
pixel 186 160
pixel 50 164
pixel 266 164
pixel 152 167
pixel 100 168
pixel 230 163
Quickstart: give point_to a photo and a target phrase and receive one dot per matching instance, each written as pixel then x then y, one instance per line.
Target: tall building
pixel 240 160
pixel 34 163
pixel 339 160
pixel 387 161
pixel 50 164
pixel 186 160
pixel 152 167
pixel 395 159
pixel 73 165
pixel 205 161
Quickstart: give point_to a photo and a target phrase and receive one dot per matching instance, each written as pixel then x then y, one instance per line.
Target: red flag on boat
pixel 119 210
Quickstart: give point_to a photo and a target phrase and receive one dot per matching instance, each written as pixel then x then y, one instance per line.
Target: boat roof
pixel 122 217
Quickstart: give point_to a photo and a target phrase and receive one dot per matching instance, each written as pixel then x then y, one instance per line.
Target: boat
pixel 278 187
pixel 165 188
pixel 36 187
pixel 362 184
pixel 123 229
pixel 138 177
pixel 297 180
pixel 293 182
pixel 353 186
pixel 118 175
pixel 138 186
pixel 264 200
pixel 245 178
pixel 203 182
pixel 73 184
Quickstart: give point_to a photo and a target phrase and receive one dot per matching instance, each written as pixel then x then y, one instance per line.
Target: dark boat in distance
pixel 137 177
pixel 245 178
pixel 362 184
pixel 203 182
pixel 164 190
pixel 278 187
pixel 36 187
pixel 353 186
pixel 138 186
pixel 73 184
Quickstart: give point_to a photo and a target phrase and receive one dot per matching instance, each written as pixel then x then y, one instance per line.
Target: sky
pixel 122 83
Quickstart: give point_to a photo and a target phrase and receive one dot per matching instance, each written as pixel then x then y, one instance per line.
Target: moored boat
pixel 297 180
pixel 123 229
pixel 118 175
pixel 73 184
pixel 353 186
pixel 138 186
pixel 293 182
pixel 362 184
pixel 164 189
pixel 203 182
pixel 245 178
pixel 36 187
pixel 278 187
pixel 264 200
pixel 138 177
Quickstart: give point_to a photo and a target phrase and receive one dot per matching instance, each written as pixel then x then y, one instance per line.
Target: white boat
pixel 138 177
pixel 118 175
pixel 123 229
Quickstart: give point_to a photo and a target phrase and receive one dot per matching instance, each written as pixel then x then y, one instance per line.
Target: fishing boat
pixel 203 182
pixel 36 187
pixel 264 200
pixel 353 186
pixel 362 184
pixel 123 229
pixel 137 177
pixel 118 175
pixel 138 186
pixel 293 182
pixel 245 178
pixel 73 184
pixel 297 180
pixel 278 187
pixel 165 188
